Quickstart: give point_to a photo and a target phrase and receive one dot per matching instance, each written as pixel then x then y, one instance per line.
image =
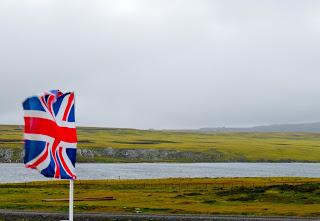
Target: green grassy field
pixel 250 147
pixel 246 196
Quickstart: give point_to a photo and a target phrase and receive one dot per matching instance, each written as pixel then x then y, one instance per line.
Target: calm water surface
pixel 16 172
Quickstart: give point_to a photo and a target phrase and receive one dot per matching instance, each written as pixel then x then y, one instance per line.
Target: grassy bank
pixel 217 147
pixel 254 196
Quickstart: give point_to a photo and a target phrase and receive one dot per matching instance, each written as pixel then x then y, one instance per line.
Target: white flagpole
pixel 71 201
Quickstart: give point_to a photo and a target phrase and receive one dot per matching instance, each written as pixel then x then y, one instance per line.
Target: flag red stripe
pixel 66 112
pixel 55 158
pixel 47 127
pixel 64 163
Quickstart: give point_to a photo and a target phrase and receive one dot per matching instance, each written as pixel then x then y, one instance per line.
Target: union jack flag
pixel 50 134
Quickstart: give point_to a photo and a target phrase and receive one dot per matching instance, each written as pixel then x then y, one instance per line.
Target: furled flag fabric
pixel 50 134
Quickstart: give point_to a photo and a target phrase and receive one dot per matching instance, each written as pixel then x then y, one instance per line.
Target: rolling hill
pixel 131 145
pixel 304 127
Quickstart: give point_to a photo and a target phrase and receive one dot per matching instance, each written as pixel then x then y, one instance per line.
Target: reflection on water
pixel 16 172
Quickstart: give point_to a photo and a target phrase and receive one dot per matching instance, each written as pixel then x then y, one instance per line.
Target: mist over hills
pixel 303 127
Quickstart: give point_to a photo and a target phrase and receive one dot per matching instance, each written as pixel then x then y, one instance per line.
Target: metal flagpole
pixel 71 201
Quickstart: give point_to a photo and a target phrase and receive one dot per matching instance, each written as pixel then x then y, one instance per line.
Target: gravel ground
pixel 37 216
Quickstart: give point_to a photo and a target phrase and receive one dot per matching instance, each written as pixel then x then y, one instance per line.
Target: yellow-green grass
pixel 251 147
pixel 246 196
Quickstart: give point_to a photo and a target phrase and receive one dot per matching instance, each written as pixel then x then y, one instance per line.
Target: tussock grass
pixel 254 196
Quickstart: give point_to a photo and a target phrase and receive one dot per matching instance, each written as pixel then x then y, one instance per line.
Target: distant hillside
pixel 305 127
pixel 107 145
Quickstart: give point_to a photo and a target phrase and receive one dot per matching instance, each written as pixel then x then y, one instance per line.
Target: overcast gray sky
pixel 164 64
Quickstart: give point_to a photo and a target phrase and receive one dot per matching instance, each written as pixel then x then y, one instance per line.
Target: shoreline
pixel 92 171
